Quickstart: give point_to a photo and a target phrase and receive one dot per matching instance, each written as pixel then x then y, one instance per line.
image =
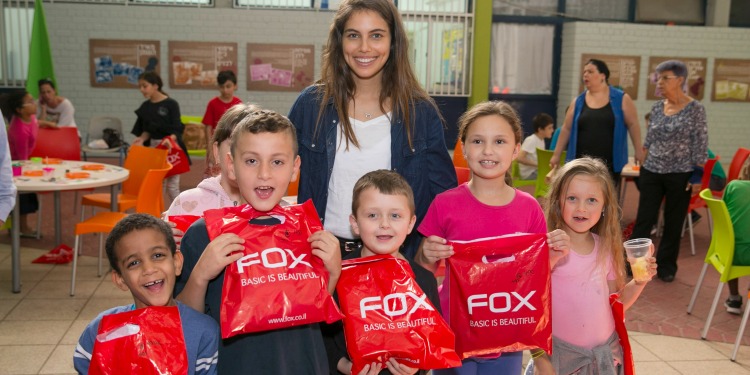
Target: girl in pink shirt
pixel 582 201
pixel 21 109
pixel 486 206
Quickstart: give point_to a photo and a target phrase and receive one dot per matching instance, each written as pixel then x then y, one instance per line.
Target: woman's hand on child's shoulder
pixel 326 247
pixel 221 252
pixel 559 246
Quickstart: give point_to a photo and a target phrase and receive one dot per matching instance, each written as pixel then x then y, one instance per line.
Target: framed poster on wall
pixel 115 63
pixel 696 79
pixel 731 80
pixel 623 71
pixel 194 65
pixel 280 67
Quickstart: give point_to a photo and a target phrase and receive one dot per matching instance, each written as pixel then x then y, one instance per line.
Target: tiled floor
pixel 40 326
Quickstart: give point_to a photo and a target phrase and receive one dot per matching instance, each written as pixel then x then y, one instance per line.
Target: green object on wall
pixel 40 53
pixel 480 80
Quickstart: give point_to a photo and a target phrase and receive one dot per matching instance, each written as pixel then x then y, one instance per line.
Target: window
pixel 18 17
pixel 524 7
pixel 282 4
pixel 514 67
pixel 597 9
pixel 173 2
pixel 440 51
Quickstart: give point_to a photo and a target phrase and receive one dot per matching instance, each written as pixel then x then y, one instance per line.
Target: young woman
pixel 158 117
pixel 368 112
pixel 54 111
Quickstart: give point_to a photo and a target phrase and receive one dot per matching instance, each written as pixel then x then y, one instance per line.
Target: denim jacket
pixel 425 165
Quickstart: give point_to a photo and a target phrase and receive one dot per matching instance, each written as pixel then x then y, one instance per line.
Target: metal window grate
pixel 16 19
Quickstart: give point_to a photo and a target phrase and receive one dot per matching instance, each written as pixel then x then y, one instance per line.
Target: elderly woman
pixel 53 111
pixel 677 140
pixel 598 125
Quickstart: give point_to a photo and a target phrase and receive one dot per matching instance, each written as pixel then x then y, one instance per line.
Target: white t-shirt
pixel 63 115
pixel 530 144
pixel 374 153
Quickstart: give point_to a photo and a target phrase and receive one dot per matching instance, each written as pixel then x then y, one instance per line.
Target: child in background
pixel 737 199
pixel 582 200
pixel 488 206
pixel 217 191
pixel 382 216
pixel 543 128
pixel 216 108
pixel 22 132
pixel 262 160
pixel 158 118
pixel 144 261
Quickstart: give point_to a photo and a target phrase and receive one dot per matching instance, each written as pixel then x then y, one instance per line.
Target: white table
pixel 56 182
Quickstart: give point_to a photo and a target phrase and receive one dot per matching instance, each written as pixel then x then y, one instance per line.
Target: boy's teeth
pixel 154 283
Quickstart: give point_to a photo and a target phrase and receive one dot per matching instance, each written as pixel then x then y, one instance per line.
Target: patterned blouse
pixel 678 142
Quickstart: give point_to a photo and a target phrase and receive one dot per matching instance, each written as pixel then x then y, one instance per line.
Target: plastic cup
pixel 36 160
pixel 17 170
pixel 638 252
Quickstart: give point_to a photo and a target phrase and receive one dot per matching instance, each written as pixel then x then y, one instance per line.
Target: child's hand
pixel 138 142
pixel 176 233
pixel 436 248
pixel 371 369
pixel 326 247
pixel 652 266
pixel 543 366
pixel 221 252
pixel 559 246
pixel 399 369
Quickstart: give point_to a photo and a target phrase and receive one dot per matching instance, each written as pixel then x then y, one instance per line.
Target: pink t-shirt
pixel 22 137
pixel 581 314
pixel 457 215
pixel 216 108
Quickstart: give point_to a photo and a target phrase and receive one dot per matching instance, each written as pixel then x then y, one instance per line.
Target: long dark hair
pixel 398 82
pixel 153 78
pixel 11 102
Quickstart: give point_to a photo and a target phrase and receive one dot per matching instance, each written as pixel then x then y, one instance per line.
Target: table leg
pixel 58 225
pixel 113 200
pixel 15 246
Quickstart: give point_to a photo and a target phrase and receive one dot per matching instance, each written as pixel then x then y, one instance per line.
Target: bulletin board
pixel 115 63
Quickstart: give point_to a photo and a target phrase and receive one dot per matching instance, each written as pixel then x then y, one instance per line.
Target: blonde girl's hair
pixel 608 227
pixel 491 108
pixel 399 84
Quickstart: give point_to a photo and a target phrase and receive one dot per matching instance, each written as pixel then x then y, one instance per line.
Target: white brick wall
pixel 728 123
pixel 70 27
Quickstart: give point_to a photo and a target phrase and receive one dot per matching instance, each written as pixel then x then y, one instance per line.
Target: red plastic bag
pixel 176 156
pixel 144 341
pixel 62 254
pixel 183 222
pixel 387 315
pixel 278 283
pixel 499 295
pixel 618 313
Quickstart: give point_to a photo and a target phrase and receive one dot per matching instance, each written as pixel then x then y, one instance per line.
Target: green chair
pixel 543 157
pixel 720 255
pixel 516 174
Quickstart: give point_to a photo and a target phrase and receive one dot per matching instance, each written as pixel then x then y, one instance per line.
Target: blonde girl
pixel 486 206
pixel 583 202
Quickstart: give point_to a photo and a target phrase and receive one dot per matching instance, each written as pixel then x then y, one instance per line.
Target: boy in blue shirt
pixel 145 261
pixel 262 160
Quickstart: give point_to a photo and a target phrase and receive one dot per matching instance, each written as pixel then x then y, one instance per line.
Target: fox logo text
pixel 500 302
pixel 393 304
pixel 272 258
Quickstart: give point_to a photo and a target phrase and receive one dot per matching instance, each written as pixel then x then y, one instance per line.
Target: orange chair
pixel 150 201
pixel 458 155
pixel 697 202
pixel 139 161
pixel 463 174
pixel 59 143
